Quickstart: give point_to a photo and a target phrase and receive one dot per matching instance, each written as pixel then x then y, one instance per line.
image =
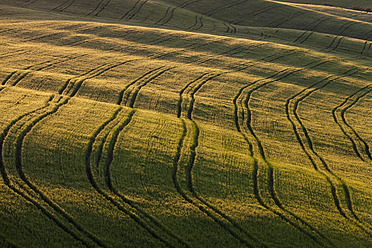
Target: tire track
pixel 167 16
pixel 16 76
pixel 99 8
pixel 64 6
pixel 72 85
pixel 310 30
pixel 129 94
pixel 109 140
pixel 310 152
pixel 137 7
pixel 198 23
pixel 231 226
pixel 244 103
pixel 8 181
pixel 225 6
pixel 360 147
pixel 104 194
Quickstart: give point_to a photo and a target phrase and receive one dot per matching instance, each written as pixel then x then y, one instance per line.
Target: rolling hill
pixel 199 123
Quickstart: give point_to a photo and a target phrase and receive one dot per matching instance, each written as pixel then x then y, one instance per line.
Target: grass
pixel 185 124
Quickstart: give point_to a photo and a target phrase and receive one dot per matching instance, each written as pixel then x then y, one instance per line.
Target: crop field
pixel 196 123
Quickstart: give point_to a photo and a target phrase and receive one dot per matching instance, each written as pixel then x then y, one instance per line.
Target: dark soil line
pixel 135 10
pixel 191 201
pixel 323 162
pixel 107 164
pixel 343 112
pixel 8 183
pixel 89 172
pixel 124 95
pixel 225 6
pixel 19 167
pixel 342 120
pixel 137 89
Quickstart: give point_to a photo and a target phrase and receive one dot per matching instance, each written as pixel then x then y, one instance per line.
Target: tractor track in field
pixel 90 174
pixel 310 30
pixel 16 76
pixel 99 8
pixel 73 85
pixel 198 24
pixel 223 7
pixel 254 14
pixel 311 153
pixel 65 5
pixel 281 21
pixel 109 140
pixel 360 147
pixel 227 222
pixel 244 104
pixel 137 7
pixel 28 3
pixel 18 164
pixel 128 95
pixel 167 16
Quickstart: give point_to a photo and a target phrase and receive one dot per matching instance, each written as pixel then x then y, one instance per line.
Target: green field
pixel 196 123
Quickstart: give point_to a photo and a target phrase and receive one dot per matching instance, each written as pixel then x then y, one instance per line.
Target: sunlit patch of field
pixel 184 124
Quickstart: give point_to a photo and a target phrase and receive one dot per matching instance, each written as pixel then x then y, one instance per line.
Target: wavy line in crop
pixel 190 200
pixel 99 8
pixel 24 131
pixel 16 76
pixel 254 13
pixel 310 150
pixel 310 29
pixel 92 180
pixel 72 85
pixel 137 86
pixel 137 7
pixel 167 16
pixel 195 86
pixel 275 77
pixel 283 20
pixel 225 6
pixel 279 76
pixel 110 140
pixel 339 117
pixel 9 184
pixel 64 6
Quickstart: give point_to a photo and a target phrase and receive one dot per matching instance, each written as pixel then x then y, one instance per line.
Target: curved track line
pixel 8 182
pixel 110 140
pixel 225 6
pixel 26 129
pixel 100 7
pixel 92 180
pixel 195 87
pixel 137 7
pixel 310 150
pixel 276 77
pixel 64 6
pixel 339 117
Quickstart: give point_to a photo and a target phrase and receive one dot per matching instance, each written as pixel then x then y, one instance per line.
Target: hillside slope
pixel 147 123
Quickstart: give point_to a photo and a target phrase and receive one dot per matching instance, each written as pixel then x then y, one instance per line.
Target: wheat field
pixel 199 123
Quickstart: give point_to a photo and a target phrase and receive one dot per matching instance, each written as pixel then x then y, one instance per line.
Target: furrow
pixel 225 6
pixel 338 114
pixel 358 137
pixel 110 141
pixel 103 4
pixel 64 6
pixel 18 159
pixel 73 85
pixel 93 182
pixel 312 153
pixel 190 200
pixel 125 93
pixel 138 87
pixel 192 159
pixel 134 10
pixel 8 182
pixel 276 77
